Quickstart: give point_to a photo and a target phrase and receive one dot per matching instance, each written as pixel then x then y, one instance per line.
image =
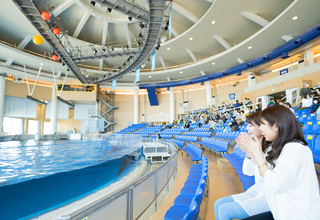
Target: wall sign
pixel 232 96
pixel 282 72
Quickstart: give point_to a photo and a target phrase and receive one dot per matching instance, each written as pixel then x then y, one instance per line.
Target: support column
pixel 172 109
pixel 2 96
pixel 54 110
pixel 136 106
pixel 209 93
pixel 310 56
pixel 97 113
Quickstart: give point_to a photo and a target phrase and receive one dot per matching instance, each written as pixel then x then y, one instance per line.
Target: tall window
pixel 46 128
pixel 12 125
pixel 34 127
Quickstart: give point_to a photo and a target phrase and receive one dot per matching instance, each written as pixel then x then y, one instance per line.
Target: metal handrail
pixel 104 201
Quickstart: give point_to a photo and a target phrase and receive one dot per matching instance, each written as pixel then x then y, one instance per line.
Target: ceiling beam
pixel 202 72
pixel 104 33
pixel 174 31
pixel 82 22
pixel 63 6
pixel 240 60
pixel 185 12
pixel 191 54
pixel 24 42
pixel 21 46
pixel 222 41
pixel 210 1
pixel 255 18
pixel 287 37
pixel 126 28
pixel 101 64
pixel 9 62
pixel 163 63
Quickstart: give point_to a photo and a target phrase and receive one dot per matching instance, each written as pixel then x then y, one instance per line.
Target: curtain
pixel 62 113
pixel 88 126
pixel 19 107
pixel 81 111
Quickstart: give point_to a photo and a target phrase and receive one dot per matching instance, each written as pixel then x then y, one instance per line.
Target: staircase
pixel 106 111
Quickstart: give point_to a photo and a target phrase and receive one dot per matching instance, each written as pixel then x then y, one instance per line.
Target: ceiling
pixel 237 25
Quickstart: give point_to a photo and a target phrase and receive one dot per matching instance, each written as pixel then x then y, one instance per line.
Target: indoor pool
pixel 37 177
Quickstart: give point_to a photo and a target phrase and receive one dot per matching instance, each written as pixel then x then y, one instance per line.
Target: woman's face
pixel 268 131
pixel 253 130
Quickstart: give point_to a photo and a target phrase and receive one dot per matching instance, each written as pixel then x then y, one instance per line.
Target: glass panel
pixel 171 167
pixel 143 195
pixel 162 178
pixel 117 209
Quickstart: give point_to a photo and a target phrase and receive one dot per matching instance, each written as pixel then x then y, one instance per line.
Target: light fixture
pixel 213 63
pixel 109 9
pixel 190 38
pixel 150 76
pixel 130 18
pixel 93 3
pixel 91 46
pixel 294 18
pixel 168 48
pixel 158 47
pixel 250 47
pixel 181 72
pixel 213 22
pixel 316 55
pixel 36 100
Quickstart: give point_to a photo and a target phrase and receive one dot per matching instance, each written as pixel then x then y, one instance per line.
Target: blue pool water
pixel 37 177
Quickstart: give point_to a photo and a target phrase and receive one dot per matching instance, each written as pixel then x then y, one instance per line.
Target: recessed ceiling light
pixel 250 47
pixel 213 22
pixel 150 76
pixel 190 38
pixel 295 18
pixel 213 63
pixel 168 48
pixel 181 72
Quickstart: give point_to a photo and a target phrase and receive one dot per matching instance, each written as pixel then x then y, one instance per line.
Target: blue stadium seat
pixel 302 118
pixel 310 138
pixel 316 150
pixel 311 117
pixel 179 212
pixel 307 127
pixel 316 127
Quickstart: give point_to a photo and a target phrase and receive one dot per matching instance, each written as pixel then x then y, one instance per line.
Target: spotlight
pixel 285 55
pixel 126 47
pixel 93 3
pixel 141 25
pixel 109 9
pixel 68 69
pixel 63 64
pixel 103 49
pixel 95 51
pixel 224 74
pixel 158 47
pixel 130 18
pixel 239 73
pixel 112 49
pixel 166 28
pixel 91 46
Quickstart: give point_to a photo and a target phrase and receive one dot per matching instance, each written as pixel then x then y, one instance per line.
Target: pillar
pixel 310 56
pixel 172 109
pixel 54 110
pixel 209 93
pixel 97 113
pixel 2 96
pixel 136 106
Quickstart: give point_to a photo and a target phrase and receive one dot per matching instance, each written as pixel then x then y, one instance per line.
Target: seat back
pixel 316 127
pixel 316 149
pixel 193 212
pixel 311 117
pixel 310 138
pixel 307 127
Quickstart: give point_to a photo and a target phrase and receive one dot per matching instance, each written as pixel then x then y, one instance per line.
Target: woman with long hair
pixel 253 201
pixel 290 184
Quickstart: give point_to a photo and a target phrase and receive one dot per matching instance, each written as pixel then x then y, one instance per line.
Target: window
pixel 46 128
pixel 12 126
pixel 34 127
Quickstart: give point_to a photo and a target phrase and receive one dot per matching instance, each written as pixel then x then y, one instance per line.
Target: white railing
pixel 291 75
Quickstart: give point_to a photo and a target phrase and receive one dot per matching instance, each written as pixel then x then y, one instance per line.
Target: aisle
pixel 222 182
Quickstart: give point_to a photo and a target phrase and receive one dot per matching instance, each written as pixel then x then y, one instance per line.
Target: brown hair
pixel 289 129
pixel 254 117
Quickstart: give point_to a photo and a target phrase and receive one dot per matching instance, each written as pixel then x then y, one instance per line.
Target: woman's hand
pixel 248 145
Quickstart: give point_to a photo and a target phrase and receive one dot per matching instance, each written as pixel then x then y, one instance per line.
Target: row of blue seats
pixel 198 134
pixel 242 128
pixel 179 129
pixel 311 127
pixel 236 159
pixel 306 118
pixel 166 136
pixel 123 132
pixel 186 138
pixel 215 144
pixel 231 135
pixel 144 132
pixel 178 143
pixel 302 111
pixel 187 205
pixel 193 151
pixel 128 129
pixel 171 131
pixel 151 129
pixel 201 129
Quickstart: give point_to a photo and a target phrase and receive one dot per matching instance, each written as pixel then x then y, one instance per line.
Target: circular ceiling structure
pixel 207 35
